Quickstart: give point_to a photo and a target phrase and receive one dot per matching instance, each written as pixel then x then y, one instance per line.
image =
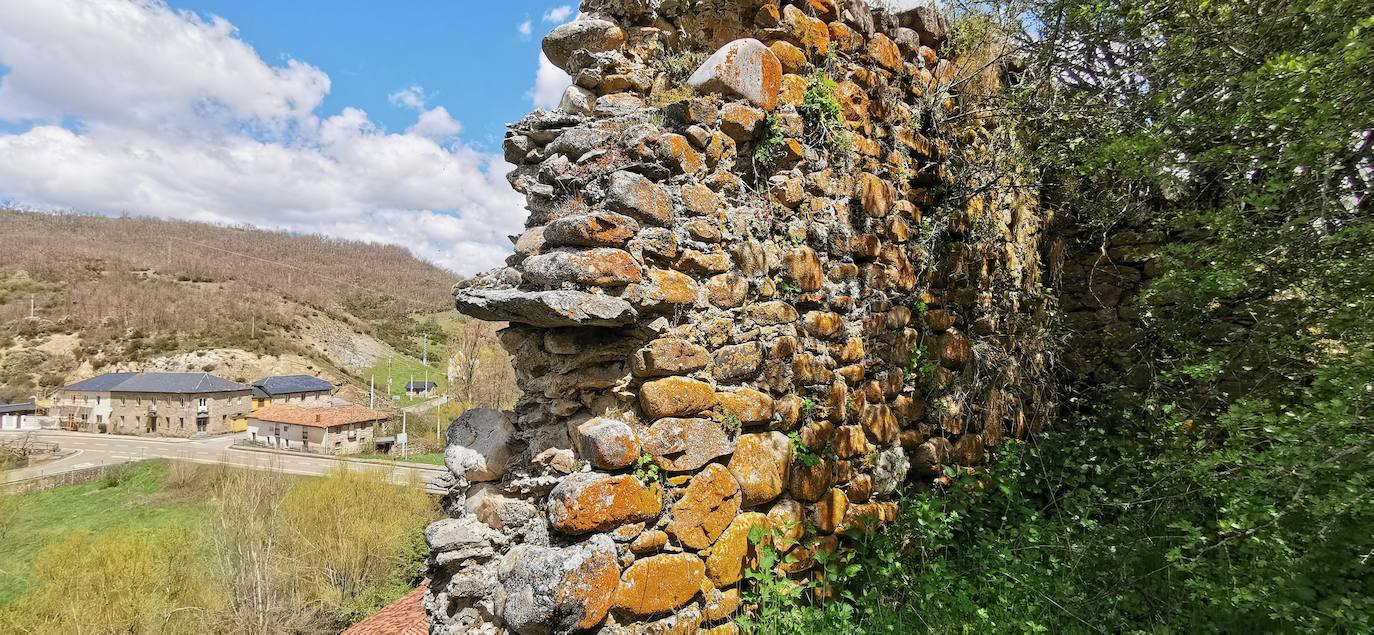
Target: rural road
pixel 94 449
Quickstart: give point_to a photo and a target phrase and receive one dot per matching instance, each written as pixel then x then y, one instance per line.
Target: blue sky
pixel 469 56
pixel 367 120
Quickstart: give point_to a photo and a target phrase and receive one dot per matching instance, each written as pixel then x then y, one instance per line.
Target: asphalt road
pixel 96 449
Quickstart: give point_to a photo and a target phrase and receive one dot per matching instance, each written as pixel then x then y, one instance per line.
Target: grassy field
pixel 402 369
pixel 138 496
pixel 169 546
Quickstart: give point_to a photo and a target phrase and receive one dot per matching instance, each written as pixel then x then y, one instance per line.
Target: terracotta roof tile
pixel 405 616
pixel 319 417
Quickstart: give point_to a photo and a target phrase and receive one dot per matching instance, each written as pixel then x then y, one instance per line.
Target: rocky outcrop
pixel 765 294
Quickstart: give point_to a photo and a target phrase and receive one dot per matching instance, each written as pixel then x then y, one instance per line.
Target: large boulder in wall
pixel 479 445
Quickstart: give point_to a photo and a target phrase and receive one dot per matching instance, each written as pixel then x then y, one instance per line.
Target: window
pixel 97 400
pixel 98 419
pixel 202 402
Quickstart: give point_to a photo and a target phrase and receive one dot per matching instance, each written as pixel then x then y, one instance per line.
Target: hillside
pixel 132 293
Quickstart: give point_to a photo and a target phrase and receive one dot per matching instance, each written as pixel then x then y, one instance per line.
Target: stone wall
pixel 768 280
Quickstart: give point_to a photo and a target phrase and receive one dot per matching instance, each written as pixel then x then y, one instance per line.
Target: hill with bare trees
pixel 86 294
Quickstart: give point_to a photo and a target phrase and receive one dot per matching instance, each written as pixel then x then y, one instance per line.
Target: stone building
pixel 291 389
pixel 161 404
pixel 320 428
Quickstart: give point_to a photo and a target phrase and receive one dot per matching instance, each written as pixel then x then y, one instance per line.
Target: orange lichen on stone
pixel 589 502
pixel 727 558
pixel 675 397
pixel 711 501
pixel 659 584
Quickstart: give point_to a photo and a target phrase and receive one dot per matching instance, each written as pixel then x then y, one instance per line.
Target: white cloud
pixel 549 84
pixel 413 97
pixel 558 14
pixel 179 118
pixel 525 28
pixel 434 123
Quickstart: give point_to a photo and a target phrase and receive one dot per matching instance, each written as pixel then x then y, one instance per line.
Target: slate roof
pixel 10 408
pixel 420 385
pixel 289 385
pixel 101 383
pixel 405 616
pixel 319 417
pixel 181 383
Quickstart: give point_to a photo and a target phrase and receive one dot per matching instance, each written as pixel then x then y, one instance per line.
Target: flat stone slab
pixel 544 308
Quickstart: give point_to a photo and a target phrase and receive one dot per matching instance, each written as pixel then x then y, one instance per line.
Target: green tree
pixel 1232 492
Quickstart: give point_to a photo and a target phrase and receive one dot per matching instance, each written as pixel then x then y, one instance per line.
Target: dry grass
pixel 99 258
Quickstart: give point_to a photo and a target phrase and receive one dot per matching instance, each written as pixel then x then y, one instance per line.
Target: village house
pixel 291 389
pixel 162 404
pixel 323 429
pixel 18 416
pixel 420 387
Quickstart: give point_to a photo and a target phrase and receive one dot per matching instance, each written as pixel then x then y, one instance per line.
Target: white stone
pixel 577 100
pixel 744 67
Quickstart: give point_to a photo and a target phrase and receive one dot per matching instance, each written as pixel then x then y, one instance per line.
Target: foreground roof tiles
pixel 405 616
pixel 319 417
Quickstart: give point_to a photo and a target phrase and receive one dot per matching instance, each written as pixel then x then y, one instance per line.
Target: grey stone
pixel 634 195
pixel 578 141
pixel 930 24
pixel 617 105
pixel 465 536
pixel 610 444
pixel 544 588
pixel 479 445
pixel 858 14
pixel 597 229
pixel 544 308
pixel 683 445
pixel 588 35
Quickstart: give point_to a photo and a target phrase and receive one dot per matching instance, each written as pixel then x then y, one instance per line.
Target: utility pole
pixel 372 391
pixel 405 439
pixel 30 306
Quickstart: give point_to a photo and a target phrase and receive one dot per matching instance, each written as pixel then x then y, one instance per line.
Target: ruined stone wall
pixel 764 282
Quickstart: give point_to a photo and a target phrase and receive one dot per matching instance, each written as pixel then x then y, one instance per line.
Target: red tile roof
pixel 321 417
pixel 405 616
